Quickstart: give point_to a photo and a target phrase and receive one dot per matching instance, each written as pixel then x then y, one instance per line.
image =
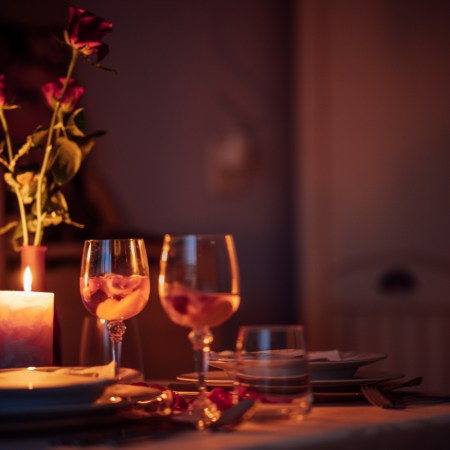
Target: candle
pixel 26 327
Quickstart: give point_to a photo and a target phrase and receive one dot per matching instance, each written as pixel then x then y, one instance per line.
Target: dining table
pixel 347 424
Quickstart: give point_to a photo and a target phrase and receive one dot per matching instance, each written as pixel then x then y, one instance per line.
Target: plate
pixel 330 397
pixel 363 376
pixel 344 368
pixel 24 390
pixel 114 397
pixel 113 406
pixel 219 378
pixel 343 364
pixel 129 375
pixel 215 378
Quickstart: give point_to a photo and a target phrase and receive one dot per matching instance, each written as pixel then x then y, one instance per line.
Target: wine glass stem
pixel 116 330
pixel 201 343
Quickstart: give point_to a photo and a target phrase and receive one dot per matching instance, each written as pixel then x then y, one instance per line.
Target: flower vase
pixel 33 256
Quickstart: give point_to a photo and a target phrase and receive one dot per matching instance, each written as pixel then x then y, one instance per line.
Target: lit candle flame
pixel 27 279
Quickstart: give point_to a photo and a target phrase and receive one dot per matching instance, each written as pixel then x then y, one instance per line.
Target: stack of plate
pixel 49 397
pixel 334 374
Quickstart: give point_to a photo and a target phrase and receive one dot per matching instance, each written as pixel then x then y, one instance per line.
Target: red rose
pixel 52 92
pixel 85 32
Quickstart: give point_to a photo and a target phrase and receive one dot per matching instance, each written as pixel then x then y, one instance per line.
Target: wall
pixel 373 205
pixel 198 132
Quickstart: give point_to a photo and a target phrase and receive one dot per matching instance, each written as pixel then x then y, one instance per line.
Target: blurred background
pixel 315 131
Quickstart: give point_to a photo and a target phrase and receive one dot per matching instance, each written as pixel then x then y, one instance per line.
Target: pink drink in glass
pixel 195 309
pixel 115 297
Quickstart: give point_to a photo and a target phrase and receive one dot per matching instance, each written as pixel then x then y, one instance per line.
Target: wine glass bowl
pixel 113 296
pixel 115 284
pixel 199 289
pixel 195 309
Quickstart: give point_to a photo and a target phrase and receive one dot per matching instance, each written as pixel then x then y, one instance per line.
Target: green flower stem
pixel 48 147
pixel 23 215
pixel 61 121
pixel 7 137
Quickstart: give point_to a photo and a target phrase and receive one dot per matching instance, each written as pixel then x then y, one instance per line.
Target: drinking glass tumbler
pixel 272 367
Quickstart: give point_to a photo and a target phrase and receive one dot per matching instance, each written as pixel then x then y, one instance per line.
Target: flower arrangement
pixel 60 148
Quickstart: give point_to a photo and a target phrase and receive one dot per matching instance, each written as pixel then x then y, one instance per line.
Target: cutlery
pixel 380 395
pixel 409 383
pixel 373 394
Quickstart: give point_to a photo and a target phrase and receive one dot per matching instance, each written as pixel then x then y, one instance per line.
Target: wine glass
pixel 115 284
pixel 199 289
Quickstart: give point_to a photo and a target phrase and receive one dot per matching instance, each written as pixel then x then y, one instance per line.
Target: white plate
pixel 344 368
pixel 126 374
pixel 363 376
pixel 103 412
pixel 112 397
pixel 215 378
pixel 130 375
pixel 220 378
pixel 24 390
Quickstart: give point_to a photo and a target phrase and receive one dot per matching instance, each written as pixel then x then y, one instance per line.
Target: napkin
pixel 38 378
pixel 326 355
pixel 107 371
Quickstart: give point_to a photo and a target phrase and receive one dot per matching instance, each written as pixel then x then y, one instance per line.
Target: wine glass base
pixel 202 412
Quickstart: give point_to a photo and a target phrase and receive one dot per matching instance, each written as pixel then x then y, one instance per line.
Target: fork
pixel 376 397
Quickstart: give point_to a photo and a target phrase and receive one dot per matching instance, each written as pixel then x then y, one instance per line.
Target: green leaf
pixel 57 203
pixel 69 221
pixel 74 123
pixel 8 226
pixel 53 219
pixel 39 137
pixel 31 223
pixel 56 209
pixel 67 162
pixel 86 143
pixel 86 147
pixel 27 182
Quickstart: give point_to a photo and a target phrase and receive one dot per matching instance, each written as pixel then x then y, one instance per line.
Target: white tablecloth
pixel 327 427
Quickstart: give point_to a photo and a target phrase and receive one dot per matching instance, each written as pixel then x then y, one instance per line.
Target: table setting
pixel 270 376
pixel 270 382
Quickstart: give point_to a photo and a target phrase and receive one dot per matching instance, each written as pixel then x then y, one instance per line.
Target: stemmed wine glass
pixel 199 289
pixel 115 284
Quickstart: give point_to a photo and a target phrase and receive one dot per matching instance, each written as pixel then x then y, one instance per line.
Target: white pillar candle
pixel 26 328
